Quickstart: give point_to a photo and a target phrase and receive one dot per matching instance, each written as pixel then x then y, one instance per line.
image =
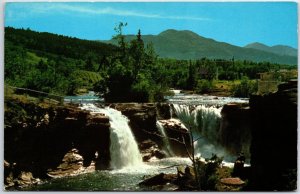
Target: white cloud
pixel 119 12
pixel 45 8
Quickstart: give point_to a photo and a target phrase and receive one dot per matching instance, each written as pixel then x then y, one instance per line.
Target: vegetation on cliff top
pixel 130 71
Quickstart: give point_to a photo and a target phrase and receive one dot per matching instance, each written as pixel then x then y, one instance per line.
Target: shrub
pixel 203 86
pixel 245 88
pixel 207 172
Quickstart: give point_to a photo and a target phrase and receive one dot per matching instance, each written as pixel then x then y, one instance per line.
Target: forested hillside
pixel 50 62
pixel 127 71
pixel 186 44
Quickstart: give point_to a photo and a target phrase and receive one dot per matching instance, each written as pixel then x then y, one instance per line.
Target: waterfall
pixel 124 150
pixel 166 142
pixel 204 123
pixel 171 111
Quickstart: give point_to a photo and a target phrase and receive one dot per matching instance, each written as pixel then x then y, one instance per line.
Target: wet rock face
pixel 142 120
pixel 178 136
pixel 36 139
pixel 163 111
pixel 150 149
pixel 142 117
pixel 235 129
pixel 274 139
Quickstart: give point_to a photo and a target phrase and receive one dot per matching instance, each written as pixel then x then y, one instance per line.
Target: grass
pixel 32 58
pixel 9 94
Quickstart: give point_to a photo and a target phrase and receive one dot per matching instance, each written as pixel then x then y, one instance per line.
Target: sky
pixel 237 23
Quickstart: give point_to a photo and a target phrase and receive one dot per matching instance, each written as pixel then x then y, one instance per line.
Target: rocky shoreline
pixel 42 142
pixel 57 141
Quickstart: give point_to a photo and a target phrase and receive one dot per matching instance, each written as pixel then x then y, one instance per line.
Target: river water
pixel 128 169
pixel 125 179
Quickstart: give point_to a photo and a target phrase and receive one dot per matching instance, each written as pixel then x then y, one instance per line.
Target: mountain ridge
pixel 277 49
pixel 186 44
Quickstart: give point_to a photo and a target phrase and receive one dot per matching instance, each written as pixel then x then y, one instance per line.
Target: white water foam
pixel 124 150
pixel 204 121
pixel 165 138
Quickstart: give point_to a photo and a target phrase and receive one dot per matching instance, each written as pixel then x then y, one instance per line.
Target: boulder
pixel 150 149
pixel 72 157
pixel 159 154
pixel 146 144
pixel 160 179
pixel 177 135
pixel 72 164
pixel 232 181
pixel 8 174
pixel 25 179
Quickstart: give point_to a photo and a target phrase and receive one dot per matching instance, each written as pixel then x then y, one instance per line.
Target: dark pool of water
pixel 117 180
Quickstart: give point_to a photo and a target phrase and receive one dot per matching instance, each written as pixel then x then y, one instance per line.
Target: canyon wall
pixel 37 138
pixel 274 139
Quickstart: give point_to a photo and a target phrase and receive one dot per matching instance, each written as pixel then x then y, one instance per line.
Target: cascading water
pixel 171 111
pixel 166 142
pixel 124 150
pixel 204 123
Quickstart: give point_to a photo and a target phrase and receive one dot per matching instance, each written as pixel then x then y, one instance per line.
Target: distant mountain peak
pixel 255 43
pixel 277 49
pixel 173 31
pixel 185 44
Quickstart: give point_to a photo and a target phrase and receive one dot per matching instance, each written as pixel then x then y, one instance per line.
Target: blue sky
pixel 237 23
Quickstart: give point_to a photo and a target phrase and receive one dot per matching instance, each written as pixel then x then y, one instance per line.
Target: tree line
pixel 128 71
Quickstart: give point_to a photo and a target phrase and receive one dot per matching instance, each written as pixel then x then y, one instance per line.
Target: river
pixel 125 179
pixel 127 166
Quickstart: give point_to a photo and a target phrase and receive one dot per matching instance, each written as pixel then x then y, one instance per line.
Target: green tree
pixel 123 46
pixel 245 88
pixel 191 81
pixel 137 52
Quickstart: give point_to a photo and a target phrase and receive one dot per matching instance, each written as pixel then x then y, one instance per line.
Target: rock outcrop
pixel 149 149
pixel 143 119
pixel 37 138
pixel 72 164
pixel 232 181
pixel 160 179
pixel 235 129
pixel 57 141
pixel 163 111
pixel 274 139
pixel 178 136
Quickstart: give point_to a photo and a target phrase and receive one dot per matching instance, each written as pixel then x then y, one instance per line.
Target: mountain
pixel 277 49
pixel 189 45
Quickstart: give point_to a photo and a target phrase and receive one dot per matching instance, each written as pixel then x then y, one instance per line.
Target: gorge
pixel 134 140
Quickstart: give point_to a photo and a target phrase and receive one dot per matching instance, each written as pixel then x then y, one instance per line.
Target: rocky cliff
pixel 36 139
pixel 274 139
pixel 55 141
pixel 235 129
pixel 143 117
